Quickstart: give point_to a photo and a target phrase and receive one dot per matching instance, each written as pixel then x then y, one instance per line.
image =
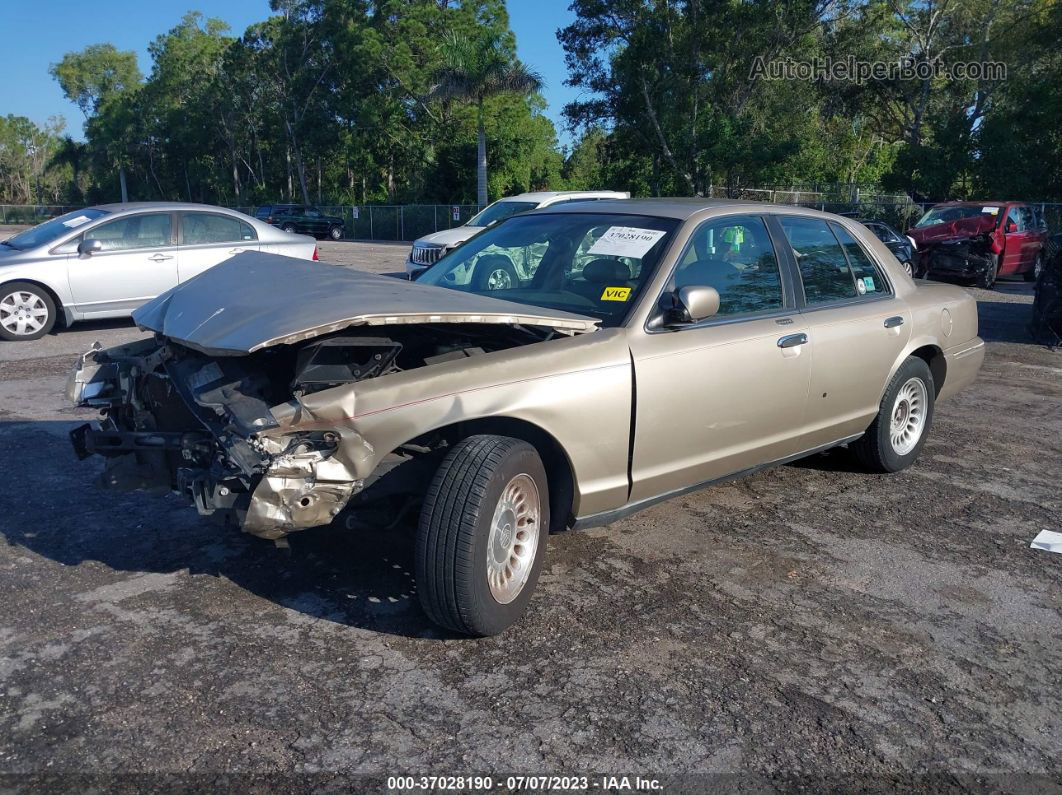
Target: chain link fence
pixel 407 222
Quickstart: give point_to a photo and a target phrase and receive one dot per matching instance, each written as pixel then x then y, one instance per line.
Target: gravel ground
pixel 883 632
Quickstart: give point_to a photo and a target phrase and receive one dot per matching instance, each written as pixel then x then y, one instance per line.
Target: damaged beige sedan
pixel 654 347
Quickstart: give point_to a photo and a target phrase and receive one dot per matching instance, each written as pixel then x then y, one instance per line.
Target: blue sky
pixel 38 32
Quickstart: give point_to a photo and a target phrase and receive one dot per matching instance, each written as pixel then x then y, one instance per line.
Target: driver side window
pixel 134 231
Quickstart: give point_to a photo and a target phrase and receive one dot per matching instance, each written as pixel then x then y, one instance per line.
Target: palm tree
pixel 476 69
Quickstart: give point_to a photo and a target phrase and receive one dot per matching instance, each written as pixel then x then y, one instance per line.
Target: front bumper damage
pixel 964 258
pixel 175 420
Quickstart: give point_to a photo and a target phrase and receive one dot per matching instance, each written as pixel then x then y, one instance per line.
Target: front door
pixel 857 328
pixel 138 261
pixel 727 394
pixel 209 238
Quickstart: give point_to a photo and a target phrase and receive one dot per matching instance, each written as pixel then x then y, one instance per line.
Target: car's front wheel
pixel 895 438
pixel 481 540
pixel 336 233
pixel 987 280
pixel 27 312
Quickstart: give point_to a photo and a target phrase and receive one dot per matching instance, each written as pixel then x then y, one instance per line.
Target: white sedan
pixel 105 261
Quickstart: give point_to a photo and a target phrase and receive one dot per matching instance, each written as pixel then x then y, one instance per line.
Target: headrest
pixel 603 271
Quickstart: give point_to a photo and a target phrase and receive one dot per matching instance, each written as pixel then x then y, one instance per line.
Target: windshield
pixel 943 215
pixel 499 211
pixel 45 233
pixel 590 264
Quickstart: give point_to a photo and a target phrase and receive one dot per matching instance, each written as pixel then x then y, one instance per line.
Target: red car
pixel 980 241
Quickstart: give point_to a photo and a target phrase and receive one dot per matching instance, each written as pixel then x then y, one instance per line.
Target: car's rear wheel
pixel 289 228
pixel 907 266
pixel 895 438
pixel 27 312
pixel 1033 273
pixel 336 233
pixel 481 540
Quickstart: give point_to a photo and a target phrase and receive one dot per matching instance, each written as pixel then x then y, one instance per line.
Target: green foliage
pixel 88 78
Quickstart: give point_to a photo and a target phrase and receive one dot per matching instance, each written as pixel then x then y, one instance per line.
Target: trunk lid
pixel 255 300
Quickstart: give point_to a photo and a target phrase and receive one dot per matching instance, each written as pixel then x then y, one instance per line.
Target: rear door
pixel 209 238
pixel 857 327
pixel 729 393
pixel 138 261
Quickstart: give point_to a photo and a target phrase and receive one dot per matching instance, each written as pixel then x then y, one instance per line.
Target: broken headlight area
pixel 175 419
pixel 968 257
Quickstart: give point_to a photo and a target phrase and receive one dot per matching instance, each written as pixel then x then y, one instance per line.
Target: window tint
pixel 735 256
pixel 134 231
pixel 823 265
pixel 863 268
pixel 199 228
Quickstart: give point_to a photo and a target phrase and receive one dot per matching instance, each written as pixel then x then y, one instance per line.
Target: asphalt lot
pixel 811 620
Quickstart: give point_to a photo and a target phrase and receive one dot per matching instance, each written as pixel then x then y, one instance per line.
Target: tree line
pixel 359 101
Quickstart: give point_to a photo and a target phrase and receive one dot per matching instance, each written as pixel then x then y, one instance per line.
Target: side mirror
pixel 1011 226
pixel 87 248
pixel 694 303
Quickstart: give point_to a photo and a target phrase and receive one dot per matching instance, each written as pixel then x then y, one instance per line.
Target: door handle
pixel 893 322
pixel 792 340
pixel 159 257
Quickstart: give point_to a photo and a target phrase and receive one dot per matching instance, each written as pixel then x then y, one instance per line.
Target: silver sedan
pixel 105 261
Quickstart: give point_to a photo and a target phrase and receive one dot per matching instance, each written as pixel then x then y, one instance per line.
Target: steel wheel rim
pixel 908 418
pixel 23 313
pixel 336 234
pixel 499 279
pixel 513 539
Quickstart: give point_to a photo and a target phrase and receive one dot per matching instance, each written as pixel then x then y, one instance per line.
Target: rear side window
pixel 868 280
pixel 822 262
pixel 200 228
pixel 735 256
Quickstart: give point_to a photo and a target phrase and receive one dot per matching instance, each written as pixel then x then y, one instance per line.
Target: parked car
pixel 301 219
pixel 427 250
pixel 902 247
pixel 1046 323
pixel 980 241
pixel 659 346
pixel 105 261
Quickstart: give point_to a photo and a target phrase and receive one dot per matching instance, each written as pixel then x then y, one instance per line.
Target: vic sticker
pixel 616 294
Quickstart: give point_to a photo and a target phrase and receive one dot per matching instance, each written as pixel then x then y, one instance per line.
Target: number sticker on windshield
pixel 626 241
pixel 616 294
pixel 77 221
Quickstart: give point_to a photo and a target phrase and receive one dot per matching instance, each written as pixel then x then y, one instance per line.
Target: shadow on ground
pixel 360 578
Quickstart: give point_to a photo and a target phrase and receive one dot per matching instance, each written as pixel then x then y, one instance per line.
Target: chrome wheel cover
pixel 513 539
pixel 907 266
pixel 499 279
pixel 908 418
pixel 23 313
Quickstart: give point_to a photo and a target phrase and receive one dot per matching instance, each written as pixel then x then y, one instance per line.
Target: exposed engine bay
pixel 968 257
pixel 174 418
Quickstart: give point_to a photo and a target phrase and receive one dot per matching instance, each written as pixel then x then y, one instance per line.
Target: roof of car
pixel 681 208
pixel 123 207
pixel 546 195
pixel 979 203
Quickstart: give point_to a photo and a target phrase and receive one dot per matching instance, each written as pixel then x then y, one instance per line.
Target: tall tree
pixel 89 77
pixel 477 69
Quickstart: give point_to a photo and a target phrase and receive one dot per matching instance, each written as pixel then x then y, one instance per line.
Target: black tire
pixel 495 272
pixel 875 449
pixel 289 228
pixel 451 547
pixel 23 300
pixel 987 280
pixel 1033 273
pixel 336 233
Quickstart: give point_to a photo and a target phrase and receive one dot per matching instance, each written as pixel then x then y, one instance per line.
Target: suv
pixel 301 219
pixel 428 249
pixel 980 240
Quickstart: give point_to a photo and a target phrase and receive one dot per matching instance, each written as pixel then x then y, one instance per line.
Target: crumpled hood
pixel 255 300
pixel 449 237
pixel 963 227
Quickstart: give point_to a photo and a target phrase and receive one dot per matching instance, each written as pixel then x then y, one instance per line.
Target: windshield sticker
pixel 78 221
pixel 991 210
pixel 868 281
pixel 626 241
pixel 616 294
